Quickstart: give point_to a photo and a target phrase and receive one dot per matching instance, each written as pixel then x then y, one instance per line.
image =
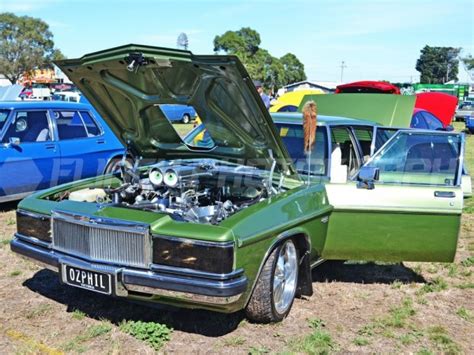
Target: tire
pixel 114 165
pixel 269 302
pixel 186 118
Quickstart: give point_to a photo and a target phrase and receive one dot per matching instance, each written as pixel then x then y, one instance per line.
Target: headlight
pixel 197 255
pixel 33 225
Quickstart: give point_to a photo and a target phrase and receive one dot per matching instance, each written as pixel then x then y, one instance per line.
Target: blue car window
pixel 70 125
pixel 418 121
pixel 29 126
pixel 382 136
pixel 91 126
pixel 432 121
pixel 3 117
pixel 292 137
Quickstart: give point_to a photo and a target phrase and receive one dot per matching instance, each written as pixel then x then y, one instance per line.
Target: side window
pixel 432 122
pixel 419 158
pixel 70 125
pixel 343 147
pixel 29 126
pixel 364 137
pixel 91 126
pixel 3 118
pixel 418 121
pixel 382 135
pixel 292 137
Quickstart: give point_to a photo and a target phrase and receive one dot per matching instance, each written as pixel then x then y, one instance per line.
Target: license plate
pixel 87 279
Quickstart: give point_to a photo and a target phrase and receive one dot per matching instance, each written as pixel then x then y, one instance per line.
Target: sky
pixel 377 40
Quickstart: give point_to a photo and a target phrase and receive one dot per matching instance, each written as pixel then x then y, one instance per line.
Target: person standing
pixel 265 98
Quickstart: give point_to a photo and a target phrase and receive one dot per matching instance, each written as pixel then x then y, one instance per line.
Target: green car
pixel 240 222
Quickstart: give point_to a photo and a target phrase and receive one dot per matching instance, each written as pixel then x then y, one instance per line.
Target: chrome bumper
pixel 176 283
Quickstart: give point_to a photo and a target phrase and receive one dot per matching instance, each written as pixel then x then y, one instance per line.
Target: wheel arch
pixel 303 245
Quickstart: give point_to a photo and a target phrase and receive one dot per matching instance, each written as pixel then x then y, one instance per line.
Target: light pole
pixel 343 65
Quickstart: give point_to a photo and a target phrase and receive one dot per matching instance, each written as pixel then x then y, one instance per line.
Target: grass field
pixel 417 308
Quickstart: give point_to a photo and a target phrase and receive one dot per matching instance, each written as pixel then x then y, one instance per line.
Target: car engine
pixel 200 191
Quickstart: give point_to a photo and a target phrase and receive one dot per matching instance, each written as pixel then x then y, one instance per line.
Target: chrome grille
pixel 99 239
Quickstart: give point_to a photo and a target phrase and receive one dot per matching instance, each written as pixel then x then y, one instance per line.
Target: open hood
pixel 125 84
pixel 439 104
pixel 384 109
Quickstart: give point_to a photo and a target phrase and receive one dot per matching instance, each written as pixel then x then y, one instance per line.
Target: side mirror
pixel 449 128
pixel 366 177
pixel 14 141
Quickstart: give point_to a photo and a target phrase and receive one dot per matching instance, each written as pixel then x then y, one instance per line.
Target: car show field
pixel 356 307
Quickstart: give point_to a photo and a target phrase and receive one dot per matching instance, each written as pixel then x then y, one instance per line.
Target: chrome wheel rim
pixel 284 278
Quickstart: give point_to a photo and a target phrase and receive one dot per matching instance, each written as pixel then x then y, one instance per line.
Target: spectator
pixel 265 98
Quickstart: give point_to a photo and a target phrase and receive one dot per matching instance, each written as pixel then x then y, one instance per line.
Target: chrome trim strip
pixel 99 222
pixel 15 197
pixel 33 240
pixel 185 295
pixel 33 214
pixel 317 263
pixel 461 160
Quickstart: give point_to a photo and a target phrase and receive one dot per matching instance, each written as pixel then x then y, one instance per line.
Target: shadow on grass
pixel 365 272
pixel 97 306
pixel 8 206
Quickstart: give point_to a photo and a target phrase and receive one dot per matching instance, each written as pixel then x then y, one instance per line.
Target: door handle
pixel 445 194
pixel 100 141
pixel 51 146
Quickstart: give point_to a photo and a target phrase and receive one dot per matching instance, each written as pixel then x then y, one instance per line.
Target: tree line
pixel 26 43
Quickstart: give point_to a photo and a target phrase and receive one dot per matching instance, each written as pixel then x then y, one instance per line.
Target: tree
pixel 468 62
pixel 261 65
pixel 438 65
pixel 294 69
pixel 183 41
pixel 26 43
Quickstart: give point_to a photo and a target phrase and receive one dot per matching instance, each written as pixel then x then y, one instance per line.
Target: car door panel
pixel 390 223
pixel 32 165
pixel 411 213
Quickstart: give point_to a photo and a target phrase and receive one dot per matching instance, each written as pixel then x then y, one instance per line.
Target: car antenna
pixel 310 120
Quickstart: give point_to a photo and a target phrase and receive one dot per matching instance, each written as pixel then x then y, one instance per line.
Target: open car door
pixel 405 203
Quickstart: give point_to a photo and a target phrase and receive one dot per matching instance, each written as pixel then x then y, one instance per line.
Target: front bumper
pixel 173 283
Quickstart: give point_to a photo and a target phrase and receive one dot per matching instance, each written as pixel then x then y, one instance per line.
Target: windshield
pixel 3 117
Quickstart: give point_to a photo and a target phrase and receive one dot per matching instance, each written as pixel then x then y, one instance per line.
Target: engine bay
pixel 199 191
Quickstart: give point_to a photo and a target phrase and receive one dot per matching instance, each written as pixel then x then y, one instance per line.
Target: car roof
pixel 43 105
pixel 297 118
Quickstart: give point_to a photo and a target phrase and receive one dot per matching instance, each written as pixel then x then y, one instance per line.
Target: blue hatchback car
pixel 46 143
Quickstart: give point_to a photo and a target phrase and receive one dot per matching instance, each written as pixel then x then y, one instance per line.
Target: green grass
pixel 465 286
pixel 465 314
pixel 77 343
pixel 155 334
pixel 361 341
pixel 15 273
pixel 319 341
pixel 78 315
pixel 468 262
pixel 436 285
pixel 440 337
pixel 38 311
pixel 234 341
pixel 254 350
